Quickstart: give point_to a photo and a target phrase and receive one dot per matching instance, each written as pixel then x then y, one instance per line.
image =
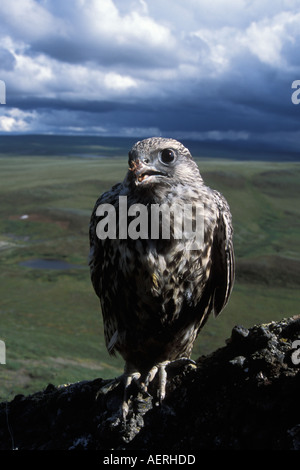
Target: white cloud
pixel 213 51
pixel 45 77
pixel 28 19
pixel 102 19
pixel 266 38
pixel 115 81
pixel 15 120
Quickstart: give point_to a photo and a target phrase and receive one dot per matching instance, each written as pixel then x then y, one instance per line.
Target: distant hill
pixel 96 146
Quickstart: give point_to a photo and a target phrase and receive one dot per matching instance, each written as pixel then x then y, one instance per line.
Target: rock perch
pixel 243 396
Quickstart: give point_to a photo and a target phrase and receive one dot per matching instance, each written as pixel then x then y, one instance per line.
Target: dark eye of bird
pixel 167 156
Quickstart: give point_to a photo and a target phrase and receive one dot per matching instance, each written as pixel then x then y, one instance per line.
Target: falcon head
pixel 160 161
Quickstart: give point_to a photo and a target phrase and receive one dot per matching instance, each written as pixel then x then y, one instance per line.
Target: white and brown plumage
pixel 157 294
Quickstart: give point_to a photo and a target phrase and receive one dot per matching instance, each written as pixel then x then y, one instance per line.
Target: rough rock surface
pixel 243 396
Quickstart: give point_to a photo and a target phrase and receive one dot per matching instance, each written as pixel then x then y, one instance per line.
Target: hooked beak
pixel 143 171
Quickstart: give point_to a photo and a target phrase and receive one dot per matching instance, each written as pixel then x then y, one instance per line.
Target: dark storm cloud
pixel 104 54
pixel 196 70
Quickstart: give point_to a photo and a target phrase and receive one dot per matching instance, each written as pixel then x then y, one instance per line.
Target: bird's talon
pixel 125 409
pixel 150 376
pixel 181 362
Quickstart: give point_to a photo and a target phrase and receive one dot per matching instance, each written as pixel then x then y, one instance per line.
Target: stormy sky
pixel 215 71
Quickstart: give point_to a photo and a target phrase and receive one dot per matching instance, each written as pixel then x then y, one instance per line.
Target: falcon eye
pixel 167 156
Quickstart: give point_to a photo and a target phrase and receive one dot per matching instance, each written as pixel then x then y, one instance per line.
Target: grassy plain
pixel 50 319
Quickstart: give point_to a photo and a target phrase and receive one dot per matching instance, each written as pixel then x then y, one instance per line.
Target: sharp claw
pixel 131 375
pixel 163 374
pixel 150 376
pixel 162 382
pixel 125 409
pixel 128 380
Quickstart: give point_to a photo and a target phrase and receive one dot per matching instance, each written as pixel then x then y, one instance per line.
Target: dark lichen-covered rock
pixel 243 396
